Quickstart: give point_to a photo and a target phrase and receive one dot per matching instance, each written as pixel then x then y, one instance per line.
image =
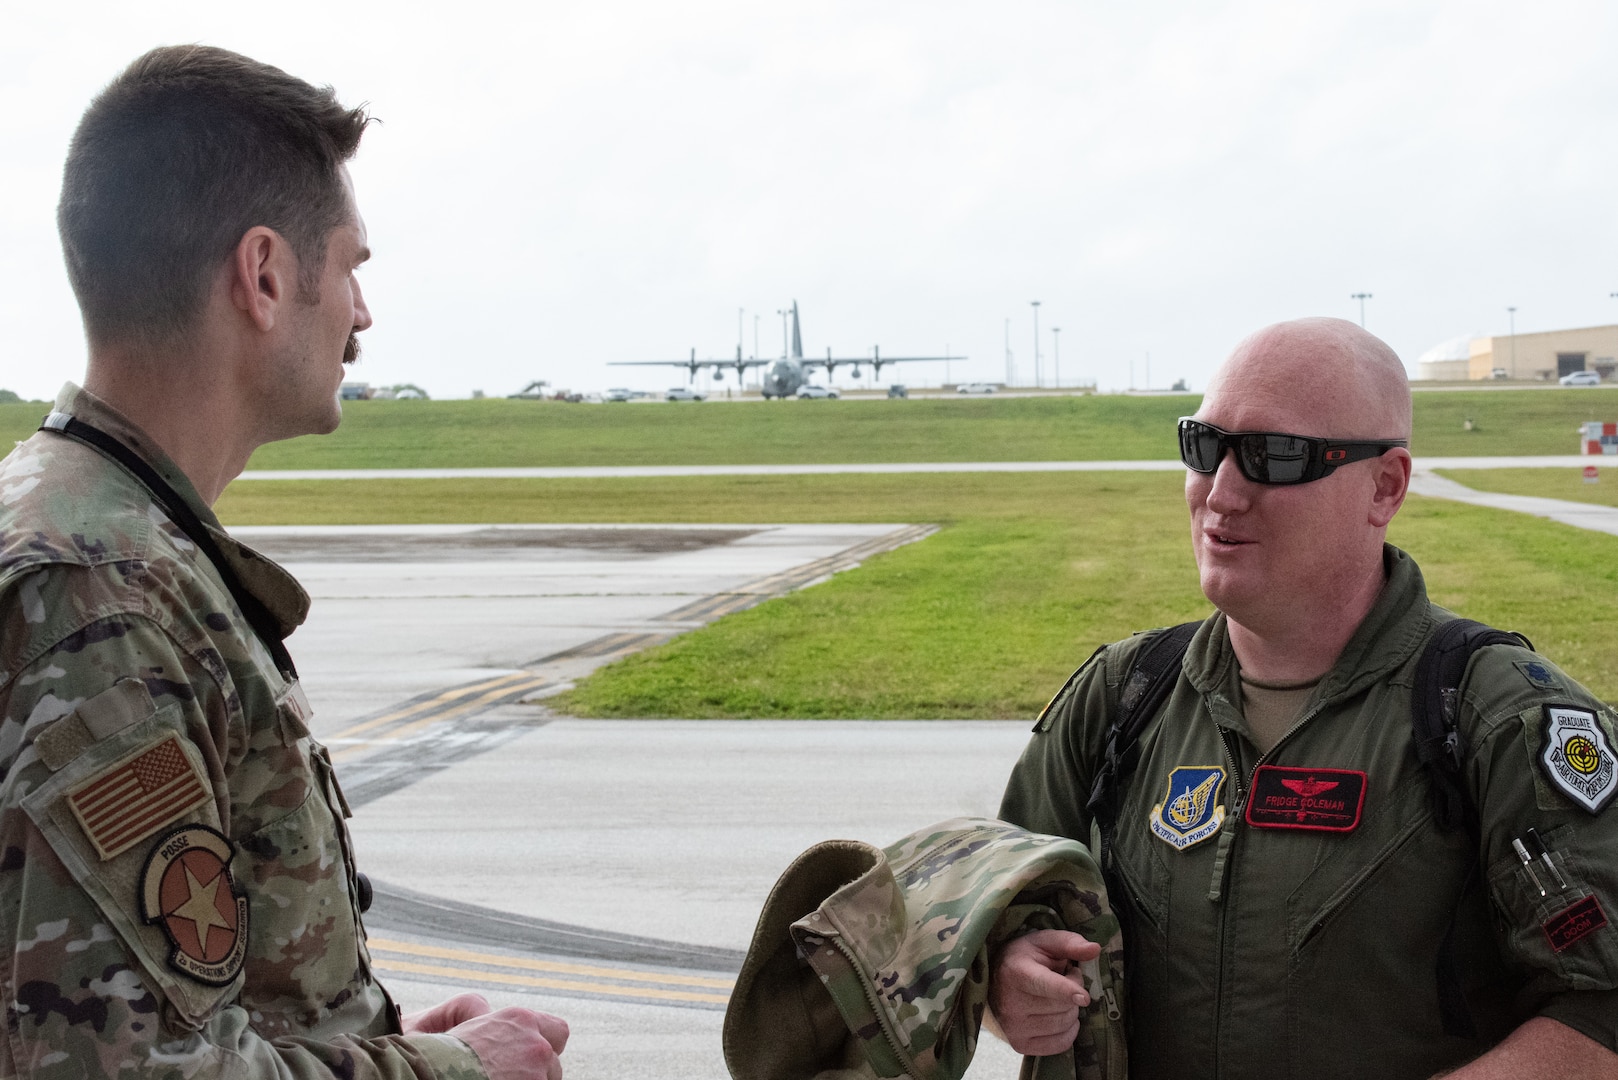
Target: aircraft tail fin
pixel 797 339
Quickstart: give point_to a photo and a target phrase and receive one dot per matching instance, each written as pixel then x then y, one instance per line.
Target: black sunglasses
pixel 1273 457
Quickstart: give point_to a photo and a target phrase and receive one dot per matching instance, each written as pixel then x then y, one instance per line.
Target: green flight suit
pixel 177 888
pixel 1258 948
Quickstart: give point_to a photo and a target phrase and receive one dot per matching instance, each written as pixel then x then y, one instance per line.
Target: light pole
pixel 783 313
pixel 1035 303
pixel 1361 297
pixel 1056 355
pixel 1512 312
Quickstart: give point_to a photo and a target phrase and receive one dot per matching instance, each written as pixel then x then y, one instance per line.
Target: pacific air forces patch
pixel 1577 757
pixel 187 888
pixel 1190 812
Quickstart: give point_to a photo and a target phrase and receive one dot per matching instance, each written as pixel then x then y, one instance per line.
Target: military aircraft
pixel 783 377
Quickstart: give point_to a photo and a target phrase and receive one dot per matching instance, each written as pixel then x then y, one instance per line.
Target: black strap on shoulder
pixel 1442 751
pixel 1439 743
pixel 1152 676
pixel 179 511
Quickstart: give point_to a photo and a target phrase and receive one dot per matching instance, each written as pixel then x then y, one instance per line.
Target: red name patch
pixel 1575 922
pixel 1322 800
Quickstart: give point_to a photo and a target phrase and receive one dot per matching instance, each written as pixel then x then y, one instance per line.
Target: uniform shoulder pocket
pixel 1557 923
pixel 133 820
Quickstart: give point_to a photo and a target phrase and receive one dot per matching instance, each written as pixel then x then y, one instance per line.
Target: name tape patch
pixel 1321 800
pixel 1574 923
pixel 1577 758
pixel 1190 811
pixel 135 797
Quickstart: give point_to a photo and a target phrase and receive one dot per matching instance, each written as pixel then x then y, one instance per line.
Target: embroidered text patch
pixel 1190 811
pixel 1575 922
pixel 1325 800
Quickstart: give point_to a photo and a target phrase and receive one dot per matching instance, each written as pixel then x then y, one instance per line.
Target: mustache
pixel 351 351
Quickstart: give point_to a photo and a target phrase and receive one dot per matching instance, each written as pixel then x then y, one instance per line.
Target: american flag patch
pixel 130 801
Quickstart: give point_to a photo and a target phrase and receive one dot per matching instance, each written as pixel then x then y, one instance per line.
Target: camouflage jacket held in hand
pixel 177 889
pixel 871 962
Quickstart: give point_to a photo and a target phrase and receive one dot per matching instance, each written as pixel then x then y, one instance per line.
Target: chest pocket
pixel 104 813
pixel 306 951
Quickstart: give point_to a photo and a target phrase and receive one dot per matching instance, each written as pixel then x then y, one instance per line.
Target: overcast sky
pixel 557 186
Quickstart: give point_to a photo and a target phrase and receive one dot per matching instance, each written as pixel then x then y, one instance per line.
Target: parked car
pixel 897 391
pixel 617 393
pixel 976 388
pixel 682 393
pixel 1581 378
pixel 806 391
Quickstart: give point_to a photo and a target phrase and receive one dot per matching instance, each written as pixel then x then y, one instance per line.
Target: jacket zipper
pixel 871 999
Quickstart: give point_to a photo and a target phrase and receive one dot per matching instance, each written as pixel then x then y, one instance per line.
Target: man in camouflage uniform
pixel 1291 907
pixel 175 875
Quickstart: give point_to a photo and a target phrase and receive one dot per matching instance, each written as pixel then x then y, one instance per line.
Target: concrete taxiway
pixel 608 872
pixel 402 611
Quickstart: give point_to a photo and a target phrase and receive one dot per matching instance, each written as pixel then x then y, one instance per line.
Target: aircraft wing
pixel 873 361
pixel 691 363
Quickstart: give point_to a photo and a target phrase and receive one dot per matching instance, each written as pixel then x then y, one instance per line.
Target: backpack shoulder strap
pixel 1150 679
pixel 1439 743
pixel 1442 751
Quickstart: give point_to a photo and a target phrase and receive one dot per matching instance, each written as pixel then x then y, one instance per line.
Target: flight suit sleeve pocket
pixel 133 820
pixel 1556 925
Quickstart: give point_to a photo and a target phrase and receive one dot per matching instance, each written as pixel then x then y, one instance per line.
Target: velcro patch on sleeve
pixel 1577 758
pixel 1322 800
pixel 188 889
pixel 1574 923
pixel 137 795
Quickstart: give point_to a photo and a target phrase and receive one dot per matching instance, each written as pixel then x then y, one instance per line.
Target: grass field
pixel 1545 483
pixel 986 618
pixel 500 432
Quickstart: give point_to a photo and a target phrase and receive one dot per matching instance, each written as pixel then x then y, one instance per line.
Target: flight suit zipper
pixel 1218 889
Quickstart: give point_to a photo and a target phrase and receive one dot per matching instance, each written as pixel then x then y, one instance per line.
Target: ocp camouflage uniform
pixel 874 962
pixel 176 878
pixel 1284 912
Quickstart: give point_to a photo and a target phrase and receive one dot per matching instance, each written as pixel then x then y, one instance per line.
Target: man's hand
pixel 445 1015
pixel 510 1043
pixel 1033 995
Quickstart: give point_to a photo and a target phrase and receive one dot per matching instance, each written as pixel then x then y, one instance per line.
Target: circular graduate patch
pixel 187 889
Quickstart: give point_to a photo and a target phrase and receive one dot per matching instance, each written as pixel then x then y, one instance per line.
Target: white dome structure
pixel 1447 360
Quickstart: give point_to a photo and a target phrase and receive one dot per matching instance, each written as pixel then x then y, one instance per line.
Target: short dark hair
pixel 173 162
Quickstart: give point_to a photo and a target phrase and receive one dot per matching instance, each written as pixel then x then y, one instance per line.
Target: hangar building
pixel 1544 356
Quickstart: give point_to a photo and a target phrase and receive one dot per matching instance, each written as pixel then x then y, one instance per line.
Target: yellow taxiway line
pixel 430 704
pixel 587 984
pixel 501 687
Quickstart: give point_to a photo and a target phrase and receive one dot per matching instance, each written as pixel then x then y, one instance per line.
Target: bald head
pixel 1335 379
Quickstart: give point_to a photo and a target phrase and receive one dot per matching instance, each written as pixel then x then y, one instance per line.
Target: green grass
pixel 501 432
pixel 1546 483
pixel 986 618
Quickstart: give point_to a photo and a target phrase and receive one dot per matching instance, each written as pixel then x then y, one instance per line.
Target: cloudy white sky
pixel 556 186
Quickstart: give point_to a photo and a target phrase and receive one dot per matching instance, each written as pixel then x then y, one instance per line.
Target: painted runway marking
pixel 398 725
pixel 491 967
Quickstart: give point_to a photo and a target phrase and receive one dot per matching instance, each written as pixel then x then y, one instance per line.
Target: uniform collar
pixel 278 590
